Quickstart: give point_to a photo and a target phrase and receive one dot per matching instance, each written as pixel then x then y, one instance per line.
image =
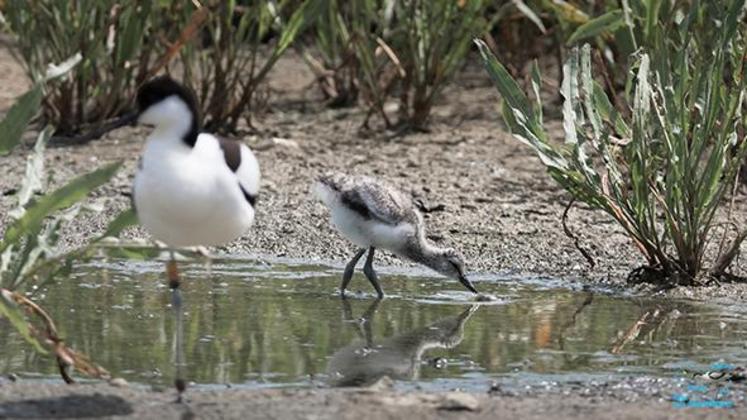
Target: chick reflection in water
pixel 366 361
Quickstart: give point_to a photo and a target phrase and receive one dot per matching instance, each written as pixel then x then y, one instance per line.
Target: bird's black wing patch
pixel 252 199
pixel 231 153
pixel 232 156
pixel 353 201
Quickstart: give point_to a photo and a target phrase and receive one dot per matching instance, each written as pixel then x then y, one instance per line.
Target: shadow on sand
pixel 72 406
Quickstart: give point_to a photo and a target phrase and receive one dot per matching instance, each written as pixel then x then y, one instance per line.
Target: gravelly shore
pixel 636 399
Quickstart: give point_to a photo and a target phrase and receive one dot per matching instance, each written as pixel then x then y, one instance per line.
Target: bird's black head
pixel 163 100
pixel 160 88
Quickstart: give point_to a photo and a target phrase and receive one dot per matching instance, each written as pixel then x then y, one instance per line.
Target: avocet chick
pixel 191 188
pixel 373 215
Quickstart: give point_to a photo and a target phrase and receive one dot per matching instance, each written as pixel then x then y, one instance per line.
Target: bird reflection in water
pixel 366 361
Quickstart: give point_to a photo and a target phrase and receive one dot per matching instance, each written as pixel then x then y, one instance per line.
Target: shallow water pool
pixel 260 324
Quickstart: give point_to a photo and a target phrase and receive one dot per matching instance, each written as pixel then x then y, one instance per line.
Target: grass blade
pixel 33 180
pixel 15 122
pixel 123 220
pixel 507 86
pixel 77 189
pixel 529 13
pixel 607 22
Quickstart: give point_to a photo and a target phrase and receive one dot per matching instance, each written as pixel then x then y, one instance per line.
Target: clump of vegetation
pixel 29 250
pixel 432 39
pixel 334 61
pixel 225 51
pixel 662 165
pixel 386 49
pixel 111 38
pixel 238 47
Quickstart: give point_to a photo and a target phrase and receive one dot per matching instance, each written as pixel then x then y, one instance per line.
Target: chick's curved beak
pixel 467 283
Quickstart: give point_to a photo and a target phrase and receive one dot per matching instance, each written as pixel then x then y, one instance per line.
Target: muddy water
pixel 256 324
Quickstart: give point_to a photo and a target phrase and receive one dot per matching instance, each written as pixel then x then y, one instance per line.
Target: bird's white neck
pixel 173 121
pixel 172 132
pixel 165 144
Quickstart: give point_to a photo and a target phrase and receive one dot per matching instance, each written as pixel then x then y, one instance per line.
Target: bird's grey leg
pixel 349 269
pixel 368 270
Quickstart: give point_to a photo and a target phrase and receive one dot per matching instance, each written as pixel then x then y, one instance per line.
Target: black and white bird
pixel 373 214
pixel 191 188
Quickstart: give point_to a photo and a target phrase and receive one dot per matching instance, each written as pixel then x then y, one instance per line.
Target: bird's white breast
pixel 188 196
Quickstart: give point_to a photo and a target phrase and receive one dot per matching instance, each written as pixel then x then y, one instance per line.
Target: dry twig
pixel 49 338
pixel 574 238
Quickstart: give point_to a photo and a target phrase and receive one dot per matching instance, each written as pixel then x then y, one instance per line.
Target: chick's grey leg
pixel 349 269
pixel 368 270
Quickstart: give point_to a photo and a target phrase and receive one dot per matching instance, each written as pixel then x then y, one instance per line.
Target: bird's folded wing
pixel 378 202
pixel 242 162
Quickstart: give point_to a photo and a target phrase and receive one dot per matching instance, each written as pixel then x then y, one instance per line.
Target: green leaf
pixel 608 22
pixel 536 88
pixel 569 90
pixel 10 310
pixel 73 192
pixel 33 180
pixel 507 86
pixel 15 122
pixel 652 18
pixel 123 220
pixel 587 89
pixel 517 111
pixel 529 13
pixel 604 107
pixel 304 15
pixel 732 20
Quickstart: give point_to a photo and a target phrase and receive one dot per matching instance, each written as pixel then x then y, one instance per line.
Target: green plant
pixel 239 46
pixel 28 248
pixel 333 60
pixel 663 171
pixel 386 49
pixel 618 29
pixel 222 53
pixel 109 35
pixel 431 40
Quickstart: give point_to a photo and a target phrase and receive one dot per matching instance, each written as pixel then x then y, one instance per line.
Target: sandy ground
pixel 498 206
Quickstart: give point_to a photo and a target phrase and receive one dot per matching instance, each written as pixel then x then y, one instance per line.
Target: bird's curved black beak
pixel 468 284
pixel 130 118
